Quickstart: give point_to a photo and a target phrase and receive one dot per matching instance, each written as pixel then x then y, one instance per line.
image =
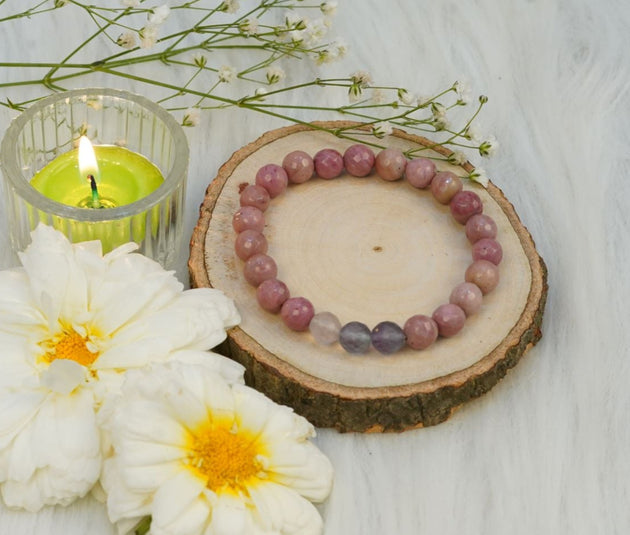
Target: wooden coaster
pixel 367 250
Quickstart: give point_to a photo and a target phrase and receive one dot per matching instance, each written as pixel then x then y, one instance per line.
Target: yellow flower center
pixel 72 346
pixel 227 459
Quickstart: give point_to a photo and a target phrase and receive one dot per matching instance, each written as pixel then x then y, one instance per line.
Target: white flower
pixel 315 32
pixel 407 98
pixel 478 175
pixel 359 81
pixel 328 8
pixel 462 88
pixel 72 321
pixel 227 74
pixel 489 146
pixel 295 20
pixel 335 50
pixel 274 74
pixel 250 27
pixel 382 129
pixel 191 117
pixel 229 6
pixel 126 40
pixel 379 96
pixel 148 36
pixel 159 15
pixel 260 93
pixel 457 158
pixel 473 132
pixel 130 3
pixel 202 456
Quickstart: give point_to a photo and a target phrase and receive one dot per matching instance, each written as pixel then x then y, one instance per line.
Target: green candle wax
pixel 124 177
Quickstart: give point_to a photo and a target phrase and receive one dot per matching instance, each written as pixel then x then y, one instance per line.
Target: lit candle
pixel 119 177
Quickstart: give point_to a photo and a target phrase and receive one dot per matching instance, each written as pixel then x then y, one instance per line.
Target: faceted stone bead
pixel 445 185
pixel 467 296
pixel 259 268
pixel 464 205
pixel 450 319
pixel 390 164
pixel 355 337
pixel 328 163
pixel 484 274
pixel 250 242
pixel 299 166
pixel 420 172
pixel 358 160
pixel 488 249
pixel 273 178
pixel 248 218
pixel 255 196
pixel 387 337
pixel 297 313
pixel 271 295
pixel 480 226
pixel 325 327
pixel 421 331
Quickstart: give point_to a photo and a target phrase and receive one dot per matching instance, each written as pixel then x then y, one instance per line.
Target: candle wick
pixel 96 202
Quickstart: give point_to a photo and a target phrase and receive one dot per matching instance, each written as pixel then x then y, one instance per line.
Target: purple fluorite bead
pixel 355 337
pixel 358 160
pixel 328 163
pixel 387 337
pixel 325 327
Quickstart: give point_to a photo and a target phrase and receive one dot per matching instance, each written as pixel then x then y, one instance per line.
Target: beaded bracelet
pixel 419 331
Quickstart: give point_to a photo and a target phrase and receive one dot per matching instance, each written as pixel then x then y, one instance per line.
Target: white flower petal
pixel 229 517
pixel 227 368
pixel 122 503
pixel 63 376
pixel 174 496
pixel 16 410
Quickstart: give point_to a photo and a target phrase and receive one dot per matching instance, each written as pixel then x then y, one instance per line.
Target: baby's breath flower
pixel 250 27
pixel 378 96
pixel 328 8
pixel 473 132
pixel 229 6
pixel 148 36
pixel 438 119
pixel 200 60
pixel 130 3
pixel 478 175
pixel 335 50
pixel 297 36
pixel 422 101
pixel 382 129
pixel 274 75
pixel 126 40
pixel 260 93
pixel 463 92
pixel 315 32
pixel 227 74
pixel 60 3
pixel 489 146
pixel 295 21
pixel 406 97
pixel 191 117
pixel 159 15
pixel 457 158
pixel 360 80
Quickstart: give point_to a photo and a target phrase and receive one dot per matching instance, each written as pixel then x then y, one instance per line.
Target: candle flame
pixel 87 159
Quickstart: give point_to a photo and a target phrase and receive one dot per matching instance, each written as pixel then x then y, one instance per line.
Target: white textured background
pixel 546 451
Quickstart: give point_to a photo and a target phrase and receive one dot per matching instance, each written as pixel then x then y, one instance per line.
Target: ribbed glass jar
pixel 53 125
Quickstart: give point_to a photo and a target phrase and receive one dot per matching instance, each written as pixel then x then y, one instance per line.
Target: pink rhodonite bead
pixel 480 226
pixel 487 249
pixel 464 205
pixel 259 268
pixel 273 178
pixel 420 172
pixel 271 295
pixel 450 319
pixel 248 243
pixel 421 331
pixel 484 274
pixel 255 196
pixel 299 166
pixel 297 312
pixel 325 327
pixel 445 185
pixel 328 163
pixel 467 296
pixel 390 164
pixel 358 160
pixel 248 218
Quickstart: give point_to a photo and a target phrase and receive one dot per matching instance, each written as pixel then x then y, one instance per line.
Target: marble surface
pixel 545 452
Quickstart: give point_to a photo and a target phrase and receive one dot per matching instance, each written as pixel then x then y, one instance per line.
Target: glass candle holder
pixel 53 126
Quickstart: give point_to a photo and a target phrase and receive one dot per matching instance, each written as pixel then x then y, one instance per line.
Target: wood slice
pixel 367 250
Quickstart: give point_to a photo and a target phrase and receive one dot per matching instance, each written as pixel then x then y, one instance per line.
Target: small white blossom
pixel 362 78
pixel 295 20
pixel 378 96
pixel 297 36
pixel 274 75
pixel 478 175
pixel 328 8
pixel 488 147
pixel 382 129
pixel 336 50
pixel 229 6
pixel 60 3
pixel 315 32
pixel 260 93
pixel 130 3
pixel 191 117
pixel 200 60
pixel 250 27
pixel 439 120
pixel 473 132
pixel 406 97
pixel 148 36
pixel 422 101
pixel 457 158
pixel 159 15
pixel 462 88
pixel 227 74
pixel 126 40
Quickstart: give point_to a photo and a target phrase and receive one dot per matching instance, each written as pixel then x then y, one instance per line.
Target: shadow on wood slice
pixel 367 250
